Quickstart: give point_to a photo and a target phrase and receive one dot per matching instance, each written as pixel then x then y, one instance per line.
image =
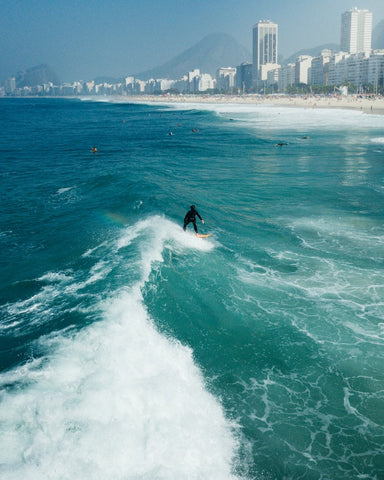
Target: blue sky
pixel 82 39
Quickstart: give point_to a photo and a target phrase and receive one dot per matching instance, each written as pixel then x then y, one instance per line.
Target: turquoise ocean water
pixel 132 350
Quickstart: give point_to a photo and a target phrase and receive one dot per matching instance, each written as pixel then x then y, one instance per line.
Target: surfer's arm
pixel 200 217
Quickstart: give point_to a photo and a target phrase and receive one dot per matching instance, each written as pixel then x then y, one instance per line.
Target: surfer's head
pixel 193 207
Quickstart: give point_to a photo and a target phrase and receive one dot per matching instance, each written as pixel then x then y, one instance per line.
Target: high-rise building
pixel 264 47
pixel 244 77
pixel 356 31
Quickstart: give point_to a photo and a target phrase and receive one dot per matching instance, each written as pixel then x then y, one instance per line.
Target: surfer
pixel 94 149
pixel 190 217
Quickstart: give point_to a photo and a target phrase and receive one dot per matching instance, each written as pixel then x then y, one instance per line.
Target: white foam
pixel 117 400
pixel 160 232
pixel 273 117
pixel 63 190
pixel 377 140
pixel 55 277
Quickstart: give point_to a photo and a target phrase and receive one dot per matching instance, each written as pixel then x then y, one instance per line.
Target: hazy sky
pixel 82 39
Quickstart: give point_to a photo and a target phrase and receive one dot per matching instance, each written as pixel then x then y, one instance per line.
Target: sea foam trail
pixel 116 400
pixel 273 118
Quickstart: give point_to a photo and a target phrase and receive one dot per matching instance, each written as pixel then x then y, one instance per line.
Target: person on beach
pixel 190 217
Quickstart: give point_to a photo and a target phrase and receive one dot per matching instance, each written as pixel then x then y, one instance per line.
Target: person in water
pixel 190 217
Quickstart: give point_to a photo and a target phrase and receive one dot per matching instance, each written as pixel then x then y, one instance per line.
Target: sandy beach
pixel 369 105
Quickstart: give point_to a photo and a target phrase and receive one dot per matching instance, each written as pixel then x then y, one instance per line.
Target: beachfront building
pixel 303 69
pixel 347 68
pixel 356 31
pixel 225 78
pixel 243 80
pixel 133 86
pixel 376 70
pixel 193 80
pixel 182 85
pixel 358 69
pixel 265 71
pixel 205 82
pixel 273 76
pixel 320 68
pixel 265 39
pixel 337 70
pixel 286 76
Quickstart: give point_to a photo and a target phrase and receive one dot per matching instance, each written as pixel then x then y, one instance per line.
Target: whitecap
pixel 377 140
pixel 117 399
pixel 60 191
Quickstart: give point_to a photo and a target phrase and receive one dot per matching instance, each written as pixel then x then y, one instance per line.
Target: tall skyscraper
pixel 356 31
pixel 264 47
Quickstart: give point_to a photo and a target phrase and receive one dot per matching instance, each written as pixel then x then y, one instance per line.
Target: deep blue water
pixel 132 350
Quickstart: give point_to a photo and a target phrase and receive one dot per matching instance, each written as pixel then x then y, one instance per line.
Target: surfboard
pixel 199 235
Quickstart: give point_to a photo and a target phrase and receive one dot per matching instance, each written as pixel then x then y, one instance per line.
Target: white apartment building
pixel 265 69
pixel 358 69
pixel 352 68
pixel 356 31
pixel 320 68
pixel 376 69
pixel 303 69
pixel 265 39
pixel 134 86
pixel 206 82
pixel 338 69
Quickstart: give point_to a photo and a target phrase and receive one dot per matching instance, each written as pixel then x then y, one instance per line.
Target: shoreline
pixel 373 105
pixel 369 105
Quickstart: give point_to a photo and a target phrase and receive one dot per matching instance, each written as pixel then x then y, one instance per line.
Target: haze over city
pixel 83 40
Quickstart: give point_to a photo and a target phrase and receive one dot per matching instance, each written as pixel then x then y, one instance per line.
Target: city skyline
pixel 90 39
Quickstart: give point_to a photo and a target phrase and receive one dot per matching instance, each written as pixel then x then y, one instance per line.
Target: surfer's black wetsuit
pixel 190 217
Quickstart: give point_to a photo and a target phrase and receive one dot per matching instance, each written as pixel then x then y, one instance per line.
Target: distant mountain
pixel 36 76
pixel 313 52
pixel 213 51
pixel 378 36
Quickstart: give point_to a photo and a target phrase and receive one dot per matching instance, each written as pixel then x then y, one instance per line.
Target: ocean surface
pixel 131 350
